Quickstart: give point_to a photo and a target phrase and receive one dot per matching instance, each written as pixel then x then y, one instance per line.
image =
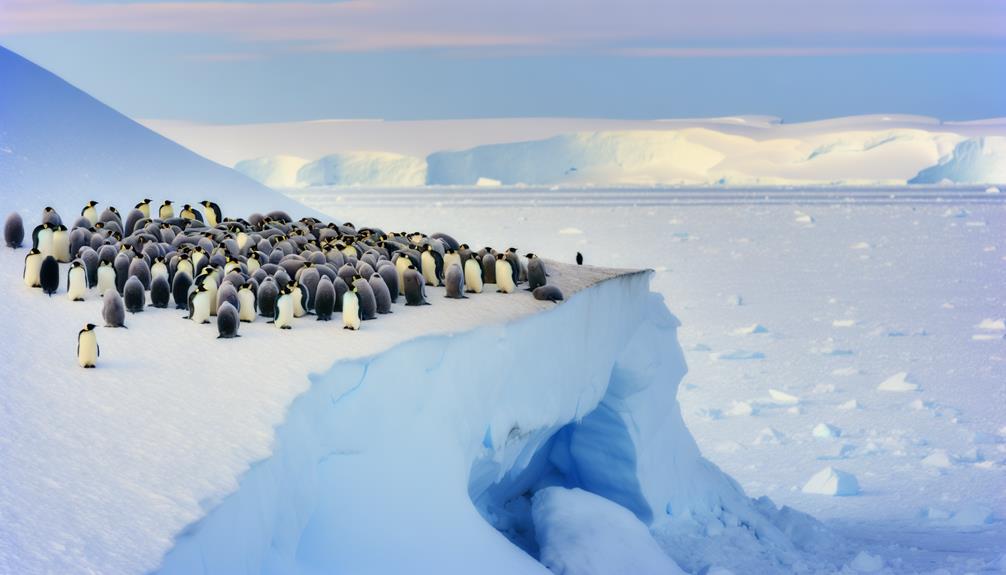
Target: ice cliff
pixel 429 456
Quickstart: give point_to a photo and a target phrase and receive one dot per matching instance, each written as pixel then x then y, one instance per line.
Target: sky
pixel 273 60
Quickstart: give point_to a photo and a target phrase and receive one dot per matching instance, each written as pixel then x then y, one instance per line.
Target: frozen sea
pixel 797 304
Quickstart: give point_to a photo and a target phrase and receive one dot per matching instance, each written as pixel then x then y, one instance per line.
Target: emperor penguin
pixel 535 272
pixel 382 295
pixel 233 264
pixel 268 293
pixel 504 275
pixel 51 217
pixel 213 215
pixel 61 244
pixel 299 294
pixel 248 305
pixel 41 239
pixel 160 292
pixel 190 213
pixel 579 259
pixel 13 230
pixel 87 347
pixel 76 281
pixel 283 313
pixel 199 305
pixel 32 267
pixel 144 207
pixel 473 274
pixel 89 212
pixel 515 265
pixel 106 277
pixel 185 265
pixel 134 295
pixel 365 298
pixel 388 272
pixel 113 311
pixel 489 268
pixel 166 211
pixel 402 264
pixel 351 312
pixel 133 219
pixel 415 287
pixel 254 262
pixel 139 269
pixel 454 281
pixel 451 257
pixel 324 299
pixel 197 255
pixel 433 266
pixel 227 321
pixel 159 269
pixel 48 275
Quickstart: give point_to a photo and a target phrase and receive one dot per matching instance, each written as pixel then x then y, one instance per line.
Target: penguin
pixel 41 239
pixel 489 268
pixel 579 259
pixel 432 265
pixel 365 298
pixel 213 215
pixel 48 275
pixel 535 272
pixel 324 299
pixel 185 265
pixel 402 264
pixel 13 230
pixel 504 275
pixel 106 277
pixel 247 299
pixel 232 265
pixel 166 211
pixel 89 258
pixel 76 281
pixel 134 295
pixel 268 293
pixel 113 311
pixel 452 257
pixel 90 213
pixel 382 294
pixel 227 294
pixel 228 321
pixel 283 313
pixel 308 278
pixel 341 287
pixel 159 269
pixel 299 295
pixel 473 274
pixel 180 285
pixel 199 305
pixel 516 267
pixel 548 293
pixel 455 282
pixel 51 217
pixel 87 347
pixel 160 292
pixel 139 269
pixel 144 208
pixel 207 280
pixel 198 255
pixel 254 262
pixel 415 287
pixel 388 272
pixel 121 263
pixel 351 312
pixel 32 268
pixel 188 213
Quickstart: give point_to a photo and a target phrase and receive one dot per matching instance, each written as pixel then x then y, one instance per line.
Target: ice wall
pixel 976 160
pixel 399 462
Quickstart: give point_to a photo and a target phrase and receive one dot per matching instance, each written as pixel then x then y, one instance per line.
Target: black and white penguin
pixel 283 313
pixel 365 297
pixel 452 256
pixel 166 211
pixel 402 263
pixel 228 321
pixel 415 287
pixel 106 277
pixel 90 213
pixel 41 239
pixel 535 272
pixel 454 281
pixel 247 297
pixel 48 275
pixel 324 299
pixel 268 293
pixel 351 312
pixel 579 259
pixel 87 347
pixel 432 266
pixel 473 274
pixel 213 215
pixel 76 281
pixel 504 275
pixel 159 269
pixel 160 292
pixel 144 208
pixel 548 293
pixel 13 230
pixel 134 295
pixel 199 305
pixel 32 268
pixel 61 244
pixel 113 311
pixel 299 295
pixel 515 265
pixel 180 286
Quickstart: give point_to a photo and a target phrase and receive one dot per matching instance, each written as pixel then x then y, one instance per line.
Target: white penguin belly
pixel 401 264
pixel 298 306
pixel 87 352
pixel 350 311
pixel 106 279
pixel 473 277
pixel 201 308
pixel 284 307
pixel 429 269
pixel 247 301
pixel 211 289
pixel 158 270
pixel 45 243
pixel 452 259
pixel 504 277
pixel 77 288
pixel 61 247
pixel 91 214
pixel 32 268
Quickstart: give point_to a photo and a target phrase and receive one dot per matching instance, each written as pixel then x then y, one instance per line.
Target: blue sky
pixel 271 60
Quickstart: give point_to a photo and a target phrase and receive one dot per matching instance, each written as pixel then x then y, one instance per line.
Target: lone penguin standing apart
pixel 351 312
pixel 579 259
pixel 87 347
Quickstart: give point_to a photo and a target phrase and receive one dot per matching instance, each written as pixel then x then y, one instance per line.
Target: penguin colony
pixel 237 270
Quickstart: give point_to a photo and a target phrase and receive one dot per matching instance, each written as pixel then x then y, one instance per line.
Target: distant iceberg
pixel 974 161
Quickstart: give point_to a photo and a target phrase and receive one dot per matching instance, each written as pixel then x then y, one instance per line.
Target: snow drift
pixel 60 144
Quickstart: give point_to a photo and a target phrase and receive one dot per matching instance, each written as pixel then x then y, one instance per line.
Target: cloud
pixel 647 28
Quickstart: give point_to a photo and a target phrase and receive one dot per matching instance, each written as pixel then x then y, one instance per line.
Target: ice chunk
pixel 783 397
pixel 831 481
pixel 938 459
pixel 846 371
pixel 741 408
pixel 738 355
pixel 751 329
pixel 866 563
pixel 483 182
pixel 769 436
pixel 844 323
pixel 802 218
pixel 826 431
pixel 580 533
pixel 900 381
pixel 850 405
pixel 988 337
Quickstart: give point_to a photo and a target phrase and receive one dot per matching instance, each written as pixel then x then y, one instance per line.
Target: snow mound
pixel 750 330
pixel 900 381
pixel 580 533
pixel 992 324
pixel 974 161
pixel 826 431
pixel 782 397
pixel 866 563
pixel 831 481
pixel 58 143
pixel 938 459
pixel 364 169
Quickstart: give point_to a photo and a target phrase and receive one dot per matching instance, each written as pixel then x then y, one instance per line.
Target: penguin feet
pixel 78 299
pixel 349 328
pixel 286 327
pixel 89 366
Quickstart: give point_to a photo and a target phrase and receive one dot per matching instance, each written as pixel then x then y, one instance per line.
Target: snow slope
pixel 60 144
pixel 974 160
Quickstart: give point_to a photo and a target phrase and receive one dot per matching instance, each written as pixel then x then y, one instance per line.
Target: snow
pixel 580 533
pixel 782 397
pixel 831 481
pixel 826 431
pixel 900 381
pixel 866 563
pixel 975 160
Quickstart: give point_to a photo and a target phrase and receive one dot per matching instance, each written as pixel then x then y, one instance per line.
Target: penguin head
pixel 92 203
pixel 159 259
pixel 103 263
pixel 357 277
pixel 183 256
pixel 60 228
pixel 76 264
pixel 202 287
pixel 167 202
pixel 349 225
pixel 500 257
pixel 451 251
pixel 46 225
pixel 427 248
pixel 117 236
pixel 512 250
pixel 137 256
pixel 354 289
pixel 186 207
pixel 412 267
pixel 113 210
pixel 49 209
pixel 204 203
pixel 530 256
pixel 34 252
pixel 89 327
